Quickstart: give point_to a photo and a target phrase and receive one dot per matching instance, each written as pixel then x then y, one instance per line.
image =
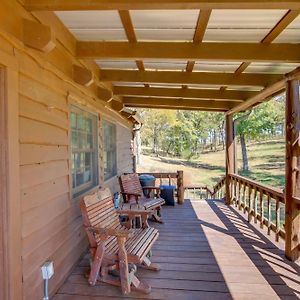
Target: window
pixel 110 154
pixel 84 150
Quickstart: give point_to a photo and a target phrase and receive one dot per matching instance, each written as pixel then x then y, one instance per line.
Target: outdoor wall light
pixel 47 272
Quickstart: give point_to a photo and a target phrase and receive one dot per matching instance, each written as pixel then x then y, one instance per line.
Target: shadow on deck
pixel 206 251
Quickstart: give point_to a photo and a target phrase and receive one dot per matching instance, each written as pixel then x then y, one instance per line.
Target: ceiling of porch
pixel 202 58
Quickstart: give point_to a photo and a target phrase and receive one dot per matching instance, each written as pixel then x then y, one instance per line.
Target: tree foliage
pixel 188 133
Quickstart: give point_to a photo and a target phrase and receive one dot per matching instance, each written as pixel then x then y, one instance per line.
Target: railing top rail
pixel 275 192
pixel 158 175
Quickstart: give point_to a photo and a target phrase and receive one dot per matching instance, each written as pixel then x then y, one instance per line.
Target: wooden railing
pixel 264 204
pixel 175 179
pixel 196 192
pixel 218 191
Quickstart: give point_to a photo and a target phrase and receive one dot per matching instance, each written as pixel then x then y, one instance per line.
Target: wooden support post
pixel 292 176
pixel 180 187
pixel 230 156
pixel 38 36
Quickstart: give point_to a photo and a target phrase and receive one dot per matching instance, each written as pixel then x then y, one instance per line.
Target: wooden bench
pixel 133 192
pixel 113 247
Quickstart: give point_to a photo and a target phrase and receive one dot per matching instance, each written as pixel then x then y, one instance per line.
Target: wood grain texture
pixel 166 4
pixel 222 256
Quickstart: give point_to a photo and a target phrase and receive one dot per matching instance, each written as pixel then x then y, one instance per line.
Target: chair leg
pixel 96 264
pixel 147 264
pixel 123 266
pixel 156 217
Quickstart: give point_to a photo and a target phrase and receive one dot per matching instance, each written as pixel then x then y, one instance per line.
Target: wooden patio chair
pixel 132 191
pixel 115 250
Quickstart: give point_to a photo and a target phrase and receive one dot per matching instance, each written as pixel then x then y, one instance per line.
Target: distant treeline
pixel 187 134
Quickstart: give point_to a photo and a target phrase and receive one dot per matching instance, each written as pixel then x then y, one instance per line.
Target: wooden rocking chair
pixel 116 250
pixel 132 192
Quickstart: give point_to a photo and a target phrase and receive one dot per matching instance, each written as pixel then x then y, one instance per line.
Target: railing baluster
pixel 261 199
pixel 255 205
pixel 269 214
pixel 244 196
pixel 239 191
pixel 277 209
pixel 250 203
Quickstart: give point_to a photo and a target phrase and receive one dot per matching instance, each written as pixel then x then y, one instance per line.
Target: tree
pixel 261 122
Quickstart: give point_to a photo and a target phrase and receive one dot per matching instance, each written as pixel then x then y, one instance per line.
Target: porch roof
pixel 202 55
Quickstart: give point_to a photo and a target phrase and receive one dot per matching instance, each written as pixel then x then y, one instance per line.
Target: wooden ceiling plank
pixel 184 103
pixel 230 95
pixel 247 52
pixel 70 5
pixel 173 77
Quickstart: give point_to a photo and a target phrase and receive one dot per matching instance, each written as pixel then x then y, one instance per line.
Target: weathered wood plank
pixel 35 132
pixel 32 175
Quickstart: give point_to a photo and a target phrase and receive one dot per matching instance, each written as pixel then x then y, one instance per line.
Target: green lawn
pixel 266 162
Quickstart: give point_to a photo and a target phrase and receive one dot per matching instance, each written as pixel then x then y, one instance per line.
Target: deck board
pixel 206 251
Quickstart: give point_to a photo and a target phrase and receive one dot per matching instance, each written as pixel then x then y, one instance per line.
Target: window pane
pixel 109 155
pixel 84 151
pixel 73 120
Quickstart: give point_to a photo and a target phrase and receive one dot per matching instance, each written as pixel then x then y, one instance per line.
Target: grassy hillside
pixel 266 161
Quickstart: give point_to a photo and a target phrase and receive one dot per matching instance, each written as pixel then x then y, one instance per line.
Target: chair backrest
pixel 98 210
pixel 130 183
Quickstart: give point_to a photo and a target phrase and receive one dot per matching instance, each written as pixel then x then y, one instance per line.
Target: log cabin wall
pixel 51 226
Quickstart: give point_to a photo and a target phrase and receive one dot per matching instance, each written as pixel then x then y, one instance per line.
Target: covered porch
pixel 207 250
pixel 71 73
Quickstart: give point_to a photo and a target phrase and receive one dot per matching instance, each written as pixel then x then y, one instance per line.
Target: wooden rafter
pixel 230 95
pixel 178 103
pixel 206 78
pixel 287 19
pixel 50 5
pixel 189 51
pixel 266 93
pixel 201 26
pixel 130 33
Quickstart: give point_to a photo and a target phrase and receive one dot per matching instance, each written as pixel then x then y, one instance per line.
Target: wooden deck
pixel 207 251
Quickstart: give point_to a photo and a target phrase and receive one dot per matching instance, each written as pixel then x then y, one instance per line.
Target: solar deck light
pixel 47 272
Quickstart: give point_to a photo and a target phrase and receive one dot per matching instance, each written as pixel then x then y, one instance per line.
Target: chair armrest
pixel 134 212
pixel 110 232
pixel 128 196
pixel 131 194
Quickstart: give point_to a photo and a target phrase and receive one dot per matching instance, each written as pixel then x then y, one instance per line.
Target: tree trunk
pixel 215 140
pixel 244 153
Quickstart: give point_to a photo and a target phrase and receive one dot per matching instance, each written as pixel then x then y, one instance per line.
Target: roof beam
pixel 266 93
pixel 178 103
pixel 287 19
pixel 230 95
pixel 190 51
pixel 51 5
pixel 206 78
